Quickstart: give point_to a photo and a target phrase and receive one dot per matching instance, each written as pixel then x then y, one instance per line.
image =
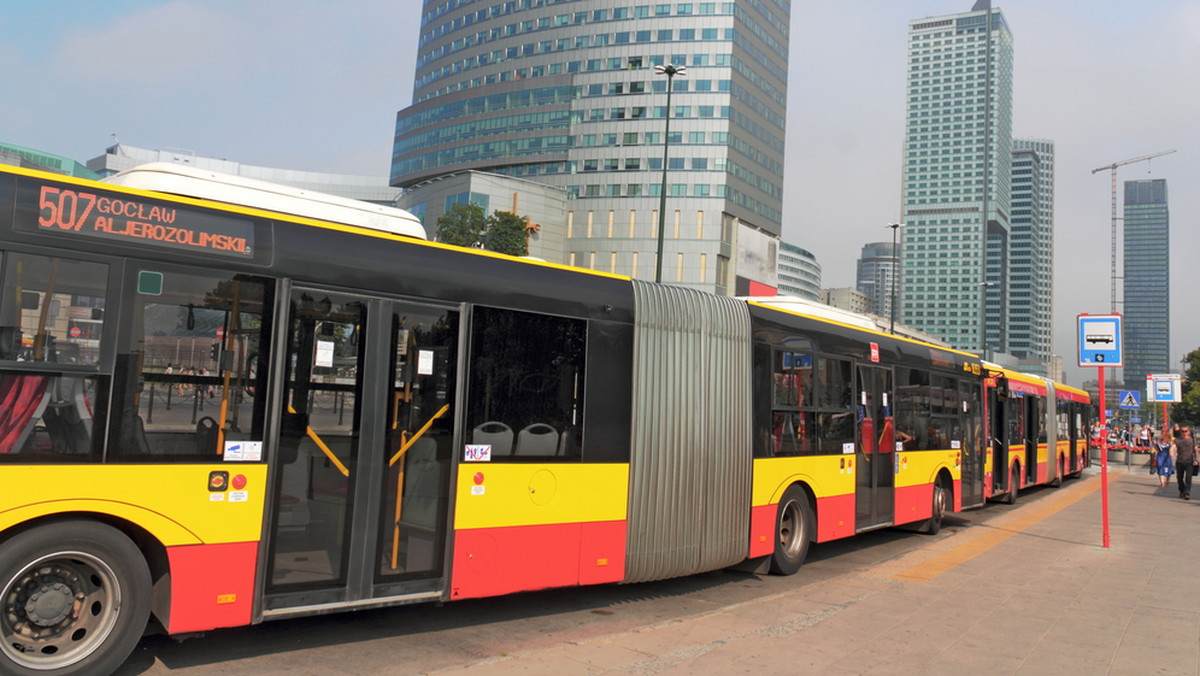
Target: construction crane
pixel 1113 168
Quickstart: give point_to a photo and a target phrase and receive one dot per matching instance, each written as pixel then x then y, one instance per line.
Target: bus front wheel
pixel 793 531
pixel 74 600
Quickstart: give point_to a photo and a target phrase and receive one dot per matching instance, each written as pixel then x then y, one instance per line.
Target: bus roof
pixel 177 179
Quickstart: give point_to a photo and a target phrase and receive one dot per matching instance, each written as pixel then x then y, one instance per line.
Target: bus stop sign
pixel 1100 340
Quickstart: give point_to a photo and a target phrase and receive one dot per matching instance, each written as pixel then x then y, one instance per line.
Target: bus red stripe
pixel 835 517
pixel 211 585
pixel 493 561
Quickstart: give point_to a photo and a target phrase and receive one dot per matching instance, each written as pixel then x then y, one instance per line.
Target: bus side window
pixel 526 384
pixel 187 380
pixel 51 314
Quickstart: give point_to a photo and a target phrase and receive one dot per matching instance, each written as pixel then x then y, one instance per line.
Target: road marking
pixel 927 570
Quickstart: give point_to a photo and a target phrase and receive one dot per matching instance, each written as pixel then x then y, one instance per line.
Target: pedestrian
pixel 1162 457
pixel 1183 451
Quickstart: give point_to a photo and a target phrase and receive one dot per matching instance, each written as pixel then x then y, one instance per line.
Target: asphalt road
pixel 422 638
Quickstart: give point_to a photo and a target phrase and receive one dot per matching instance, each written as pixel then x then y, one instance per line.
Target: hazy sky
pixel 315 85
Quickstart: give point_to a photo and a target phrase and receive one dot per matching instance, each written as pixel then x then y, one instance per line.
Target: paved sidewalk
pixel 1030 592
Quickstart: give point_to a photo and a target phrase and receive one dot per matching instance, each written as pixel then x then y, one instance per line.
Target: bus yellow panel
pixel 509 494
pixel 830 478
pixel 174 503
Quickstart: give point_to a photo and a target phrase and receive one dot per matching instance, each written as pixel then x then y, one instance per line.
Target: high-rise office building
pixel 566 93
pixel 799 272
pixel 878 272
pixel 1031 288
pixel 957 168
pixel 1146 323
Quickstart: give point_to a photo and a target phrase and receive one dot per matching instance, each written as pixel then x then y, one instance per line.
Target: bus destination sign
pixel 119 217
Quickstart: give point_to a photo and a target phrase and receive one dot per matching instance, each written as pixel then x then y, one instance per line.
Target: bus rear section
pixel 858 430
pixel 1038 429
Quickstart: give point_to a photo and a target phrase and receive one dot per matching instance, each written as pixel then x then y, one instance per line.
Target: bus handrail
pixel 424 428
pixel 316 438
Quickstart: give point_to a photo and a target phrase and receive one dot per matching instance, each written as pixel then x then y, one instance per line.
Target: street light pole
pixel 670 71
pixel 983 287
pixel 895 272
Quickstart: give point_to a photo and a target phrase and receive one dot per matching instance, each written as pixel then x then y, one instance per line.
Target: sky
pixel 315 85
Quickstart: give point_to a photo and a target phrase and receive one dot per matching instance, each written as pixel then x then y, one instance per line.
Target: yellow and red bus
pixel 1038 429
pixel 227 408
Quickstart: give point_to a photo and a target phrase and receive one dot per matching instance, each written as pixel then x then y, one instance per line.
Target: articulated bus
pixel 219 409
pixel 1038 431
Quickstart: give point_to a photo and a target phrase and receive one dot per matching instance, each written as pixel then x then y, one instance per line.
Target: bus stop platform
pixel 1031 591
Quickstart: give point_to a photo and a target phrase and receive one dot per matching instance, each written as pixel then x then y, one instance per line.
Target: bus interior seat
pixel 537 439
pixel 499 435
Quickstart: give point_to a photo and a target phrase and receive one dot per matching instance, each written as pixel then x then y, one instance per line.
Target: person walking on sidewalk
pixel 1162 457
pixel 1183 450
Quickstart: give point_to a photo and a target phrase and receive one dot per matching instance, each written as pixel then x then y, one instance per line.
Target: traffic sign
pixel 1164 388
pixel 1129 399
pixel 1100 340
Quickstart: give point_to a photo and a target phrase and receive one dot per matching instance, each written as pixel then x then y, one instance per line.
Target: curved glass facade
pixel 564 92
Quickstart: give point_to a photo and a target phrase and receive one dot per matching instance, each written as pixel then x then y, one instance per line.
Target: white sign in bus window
pixel 425 362
pixel 324 353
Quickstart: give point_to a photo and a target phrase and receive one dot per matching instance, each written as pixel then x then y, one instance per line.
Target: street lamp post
pixel 670 71
pixel 983 287
pixel 895 272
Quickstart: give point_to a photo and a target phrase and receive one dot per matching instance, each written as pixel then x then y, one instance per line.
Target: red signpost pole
pixel 1103 460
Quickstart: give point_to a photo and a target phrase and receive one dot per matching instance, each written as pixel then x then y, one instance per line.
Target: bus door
pixel 972 450
pixel 1035 438
pixel 1075 434
pixel 1000 410
pixel 875 479
pixel 363 469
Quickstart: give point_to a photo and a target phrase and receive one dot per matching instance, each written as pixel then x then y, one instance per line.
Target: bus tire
pixel 1061 472
pixel 938 510
pixel 1014 475
pixel 74 600
pixel 793 531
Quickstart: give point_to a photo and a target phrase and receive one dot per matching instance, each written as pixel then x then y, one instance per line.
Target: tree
pixel 463 225
pixel 1187 412
pixel 506 234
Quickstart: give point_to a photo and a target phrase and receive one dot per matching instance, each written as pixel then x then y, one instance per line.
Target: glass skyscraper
pixel 1031 287
pixel 957 170
pixel 876 270
pixel 1146 322
pixel 564 92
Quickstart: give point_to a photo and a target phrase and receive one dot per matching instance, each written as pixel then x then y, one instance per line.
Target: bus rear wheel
pixel 74 600
pixel 1014 475
pixel 940 495
pixel 793 532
